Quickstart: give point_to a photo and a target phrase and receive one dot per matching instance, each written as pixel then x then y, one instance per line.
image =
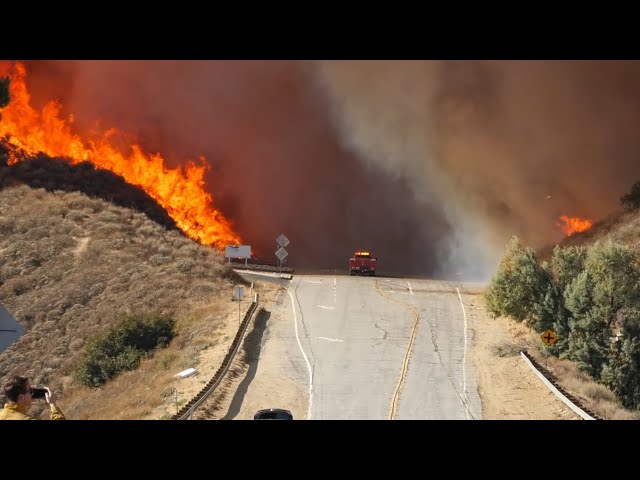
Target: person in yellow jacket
pixel 20 396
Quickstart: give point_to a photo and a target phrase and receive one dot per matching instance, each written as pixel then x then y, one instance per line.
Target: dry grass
pixel 72 265
pixel 594 396
pixel 508 348
pixel 150 391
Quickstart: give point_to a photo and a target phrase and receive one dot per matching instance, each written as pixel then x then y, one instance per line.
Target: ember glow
pixel 179 191
pixel 571 225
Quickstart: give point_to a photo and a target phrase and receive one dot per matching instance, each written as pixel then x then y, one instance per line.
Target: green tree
pixel 622 373
pixel 566 264
pixel 549 305
pixel 589 344
pixel 615 273
pixel 578 295
pixel 519 286
pixel 596 299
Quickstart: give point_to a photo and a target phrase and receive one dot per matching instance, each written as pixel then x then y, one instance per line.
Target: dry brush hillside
pixel 71 265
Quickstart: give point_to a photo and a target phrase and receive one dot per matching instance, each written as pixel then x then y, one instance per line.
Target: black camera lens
pixel 38 393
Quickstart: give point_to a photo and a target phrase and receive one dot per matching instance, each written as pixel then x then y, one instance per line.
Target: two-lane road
pixel 383 348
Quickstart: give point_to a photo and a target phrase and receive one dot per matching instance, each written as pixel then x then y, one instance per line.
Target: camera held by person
pixel 20 395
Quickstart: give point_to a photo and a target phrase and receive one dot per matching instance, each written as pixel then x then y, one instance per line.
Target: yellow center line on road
pixel 407 355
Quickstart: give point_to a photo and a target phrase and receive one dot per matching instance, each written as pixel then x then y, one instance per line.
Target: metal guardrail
pixel 261 268
pixel 570 400
pixel 186 412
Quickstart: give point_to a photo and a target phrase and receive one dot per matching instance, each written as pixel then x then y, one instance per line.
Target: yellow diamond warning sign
pixel 549 337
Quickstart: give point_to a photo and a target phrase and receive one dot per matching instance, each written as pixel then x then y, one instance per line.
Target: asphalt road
pixel 381 348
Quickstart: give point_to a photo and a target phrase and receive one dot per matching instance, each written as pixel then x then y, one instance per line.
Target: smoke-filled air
pixel 429 165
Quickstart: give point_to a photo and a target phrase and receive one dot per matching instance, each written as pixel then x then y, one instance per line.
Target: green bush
pixel 122 347
pixel 590 297
pixel 550 309
pixel 519 286
pixel 622 373
pixel 589 339
pixel 597 298
pixel 578 295
pixel 615 273
pixel 566 264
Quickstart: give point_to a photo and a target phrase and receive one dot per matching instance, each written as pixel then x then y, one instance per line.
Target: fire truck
pixel 362 263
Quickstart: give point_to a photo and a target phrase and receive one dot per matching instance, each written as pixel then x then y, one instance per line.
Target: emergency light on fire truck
pixel 362 263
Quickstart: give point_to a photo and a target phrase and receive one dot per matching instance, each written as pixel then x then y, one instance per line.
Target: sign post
pixel 281 253
pixel 549 338
pixel 238 293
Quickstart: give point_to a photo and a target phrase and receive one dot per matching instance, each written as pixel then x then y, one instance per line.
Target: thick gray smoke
pixel 499 148
pixel 430 165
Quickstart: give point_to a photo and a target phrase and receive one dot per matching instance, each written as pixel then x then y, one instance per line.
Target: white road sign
pixel 281 253
pixel 238 292
pixel 282 241
pixel 237 251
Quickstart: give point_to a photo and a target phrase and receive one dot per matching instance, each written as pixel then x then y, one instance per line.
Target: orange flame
pixel 179 191
pixel 573 225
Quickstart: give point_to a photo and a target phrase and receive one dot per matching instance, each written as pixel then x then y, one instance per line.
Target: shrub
pixel 519 285
pixel 622 373
pixel 122 347
pixel 566 264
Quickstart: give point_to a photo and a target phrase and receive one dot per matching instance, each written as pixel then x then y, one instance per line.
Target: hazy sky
pixel 431 165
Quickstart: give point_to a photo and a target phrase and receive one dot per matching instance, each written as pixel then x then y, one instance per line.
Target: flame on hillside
pixel 571 225
pixel 179 191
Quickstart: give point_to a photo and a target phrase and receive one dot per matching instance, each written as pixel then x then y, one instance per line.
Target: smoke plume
pixel 498 148
pixel 431 165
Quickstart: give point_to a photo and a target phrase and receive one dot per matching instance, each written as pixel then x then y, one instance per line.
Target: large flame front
pixel 179 191
pixel 571 225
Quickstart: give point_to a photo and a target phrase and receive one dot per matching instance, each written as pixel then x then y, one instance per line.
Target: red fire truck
pixel 362 263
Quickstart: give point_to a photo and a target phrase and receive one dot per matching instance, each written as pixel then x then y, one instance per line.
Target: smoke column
pixel 498 148
pixel 431 165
